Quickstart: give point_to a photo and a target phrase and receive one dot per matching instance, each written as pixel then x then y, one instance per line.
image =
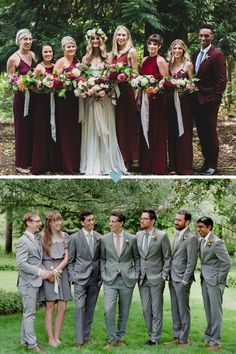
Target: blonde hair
pixel 67 39
pixel 102 46
pixel 170 57
pixel 21 34
pixel 129 44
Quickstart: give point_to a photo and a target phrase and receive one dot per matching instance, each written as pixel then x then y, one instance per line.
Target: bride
pixel 100 153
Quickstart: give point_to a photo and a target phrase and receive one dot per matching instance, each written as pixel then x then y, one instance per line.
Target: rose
pixel 173 81
pixel 121 77
pixel 102 94
pixel 76 72
pixel 152 80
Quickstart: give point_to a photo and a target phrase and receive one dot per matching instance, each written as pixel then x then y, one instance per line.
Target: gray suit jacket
pixel 184 257
pixel 29 260
pixel 127 263
pixel 215 261
pixel 81 262
pixel 156 263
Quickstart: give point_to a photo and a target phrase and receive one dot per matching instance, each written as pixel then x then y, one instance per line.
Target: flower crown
pixel 95 32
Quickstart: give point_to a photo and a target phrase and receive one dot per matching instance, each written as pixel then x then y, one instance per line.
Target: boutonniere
pixel 154 237
pixel 183 238
pixel 98 238
pixel 206 57
pixel 209 243
pixel 127 242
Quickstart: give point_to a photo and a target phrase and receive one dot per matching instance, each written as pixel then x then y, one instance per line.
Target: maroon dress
pixel 69 129
pixel 127 118
pixel 153 160
pixel 180 148
pixel 46 153
pixel 24 126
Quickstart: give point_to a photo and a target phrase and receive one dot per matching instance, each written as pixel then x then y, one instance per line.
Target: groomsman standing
pixel 215 264
pixel 183 263
pixel 29 262
pixel 154 250
pixel 84 272
pixel 120 268
pixel 210 68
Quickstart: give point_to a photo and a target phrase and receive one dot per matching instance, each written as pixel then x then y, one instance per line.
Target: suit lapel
pixel 140 243
pixel 36 243
pixel 205 58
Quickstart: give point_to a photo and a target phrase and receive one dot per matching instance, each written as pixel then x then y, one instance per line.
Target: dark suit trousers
pixel 85 299
pixel 206 122
pixel 179 294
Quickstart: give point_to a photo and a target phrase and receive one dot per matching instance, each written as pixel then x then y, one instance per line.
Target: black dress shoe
pixel 200 169
pixel 209 172
pixel 149 342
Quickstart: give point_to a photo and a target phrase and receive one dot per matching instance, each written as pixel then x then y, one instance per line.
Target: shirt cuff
pixel 39 272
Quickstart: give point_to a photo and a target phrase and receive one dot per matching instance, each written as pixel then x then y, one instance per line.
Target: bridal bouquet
pixel 149 83
pixel 95 88
pixel 16 83
pixel 170 83
pixel 119 72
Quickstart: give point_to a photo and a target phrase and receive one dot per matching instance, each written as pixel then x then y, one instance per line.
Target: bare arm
pixel 163 66
pixel 59 66
pixel 40 69
pixel 133 59
pixel 12 64
pixel 190 69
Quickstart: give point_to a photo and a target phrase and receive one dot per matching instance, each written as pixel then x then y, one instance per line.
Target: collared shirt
pixel 121 239
pixel 205 50
pixel 150 234
pixel 206 238
pixel 181 232
pixel 87 234
pixel 30 234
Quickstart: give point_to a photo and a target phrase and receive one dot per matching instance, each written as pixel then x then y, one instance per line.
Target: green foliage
pixel 5 98
pixel 8 267
pixel 231 248
pixel 10 302
pixel 231 282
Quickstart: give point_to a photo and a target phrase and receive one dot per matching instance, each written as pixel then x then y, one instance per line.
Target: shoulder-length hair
pixel 129 44
pixel 103 51
pixel 170 57
pixel 47 231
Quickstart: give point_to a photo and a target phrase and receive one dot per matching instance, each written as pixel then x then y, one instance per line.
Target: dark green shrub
pixel 8 267
pixel 10 302
pixel 230 248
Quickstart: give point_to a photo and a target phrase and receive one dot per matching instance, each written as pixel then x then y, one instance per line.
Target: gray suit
pixel 29 262
pixel 155 266
pixel 183 263
pixel 119 275
pixel 215 264
pixel 84 272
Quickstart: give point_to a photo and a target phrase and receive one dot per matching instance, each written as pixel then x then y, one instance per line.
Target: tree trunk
pixel 8 234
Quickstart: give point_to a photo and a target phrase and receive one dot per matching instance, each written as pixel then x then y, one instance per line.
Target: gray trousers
pixel 29 298
pixel 179 294
pixel 117 291
pixel 152 305
pixel 85 299
pixel 213 299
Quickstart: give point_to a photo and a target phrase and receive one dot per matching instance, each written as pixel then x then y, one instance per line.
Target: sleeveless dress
pixel 180 148
pixel 46 153
pixel 153 160
pixel 69 129
pixel 24 126
pixel 100 153
pixel 127 127
pixel 46 291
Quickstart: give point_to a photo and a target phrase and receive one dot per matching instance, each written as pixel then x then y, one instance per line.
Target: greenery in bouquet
pixel 149 83
pixel 119 72
pixel 95 88
pixel 183 85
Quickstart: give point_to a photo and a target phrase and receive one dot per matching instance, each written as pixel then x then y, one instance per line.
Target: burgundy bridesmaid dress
pixel 24 126
pixel 69 129
pixel 180 148
pixel 127 127
pixel 46 153
pixel 153 160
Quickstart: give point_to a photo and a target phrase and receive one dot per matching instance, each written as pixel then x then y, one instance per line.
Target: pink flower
pixel 102 94
pixel 121 77
pixel 173 81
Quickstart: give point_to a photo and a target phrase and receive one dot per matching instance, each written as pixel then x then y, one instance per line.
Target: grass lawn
pixel 136 332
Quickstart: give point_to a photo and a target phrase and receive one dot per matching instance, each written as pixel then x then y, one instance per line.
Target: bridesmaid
pixel 45 150
pixel 126 112
pixel 55 257
pixel 180 147
pixel 22 61
pixel 153 159
pixel 68 128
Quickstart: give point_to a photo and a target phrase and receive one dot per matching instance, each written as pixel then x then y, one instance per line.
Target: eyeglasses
pixel 35 220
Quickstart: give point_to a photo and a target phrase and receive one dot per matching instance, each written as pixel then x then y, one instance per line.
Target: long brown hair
pixel 47 231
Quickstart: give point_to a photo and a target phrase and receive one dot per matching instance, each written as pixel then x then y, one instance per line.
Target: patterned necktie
pixel 199 60
pixel 145 247
pixel 91 243
pixel 118 245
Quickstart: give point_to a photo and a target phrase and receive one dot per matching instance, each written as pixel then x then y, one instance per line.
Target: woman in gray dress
pixel 57 289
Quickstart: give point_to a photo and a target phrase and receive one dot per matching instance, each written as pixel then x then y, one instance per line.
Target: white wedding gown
pixel 100 153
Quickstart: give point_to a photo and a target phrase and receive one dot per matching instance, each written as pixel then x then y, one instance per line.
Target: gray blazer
pixel 215 261
pixel 156 263
pixel 128 263
pixel 184 257
pixel 81 262
pixel 29 260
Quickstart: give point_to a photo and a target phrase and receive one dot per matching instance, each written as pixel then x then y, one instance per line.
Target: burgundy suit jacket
pixel 212 77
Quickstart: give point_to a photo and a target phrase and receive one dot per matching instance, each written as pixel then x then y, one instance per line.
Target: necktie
pixel 118 245
pixel 199 60
pixel 145 247
pixel 203 242
pixel 177 238
pixel 91 244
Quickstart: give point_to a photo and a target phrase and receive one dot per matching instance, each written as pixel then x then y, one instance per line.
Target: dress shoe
pixel 214 347
pixel 22 170
pixel 87 341
pixel 209 172
pixel 110 345
pixel 172 341
pixel 120 343
pixel 37 349
pixel 200 169
pixel 78 346
pixel 183 342
pixel 150 342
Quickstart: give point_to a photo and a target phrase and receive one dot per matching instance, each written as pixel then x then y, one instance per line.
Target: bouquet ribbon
pixel 26 103
pixel 117 93
pixel 179 113
pixel 145 116
pixel 52 116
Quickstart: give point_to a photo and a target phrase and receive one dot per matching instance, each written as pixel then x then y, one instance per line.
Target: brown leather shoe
pixel 78 346
pixel 214 347
pixel 183 343
pixel 172 341
pixel 37 349
pixel 120 343
pixel 110 345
